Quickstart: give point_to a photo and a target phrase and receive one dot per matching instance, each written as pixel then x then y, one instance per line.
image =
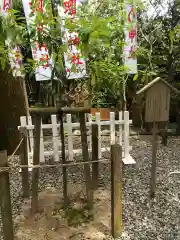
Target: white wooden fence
pixel 122 137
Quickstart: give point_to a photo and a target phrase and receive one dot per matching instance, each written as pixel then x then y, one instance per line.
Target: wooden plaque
pixel 157 103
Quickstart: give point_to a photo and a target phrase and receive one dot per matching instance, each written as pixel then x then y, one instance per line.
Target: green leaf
pixel 135 77
pixel 143 78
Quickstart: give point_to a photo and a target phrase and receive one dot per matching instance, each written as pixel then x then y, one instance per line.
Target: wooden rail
pixel 56 110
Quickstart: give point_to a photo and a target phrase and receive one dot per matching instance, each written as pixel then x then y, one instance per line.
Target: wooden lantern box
pixel 157 98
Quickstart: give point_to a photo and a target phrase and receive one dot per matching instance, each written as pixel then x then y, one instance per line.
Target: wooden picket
pixel 122 139
pixel 70 140
pixel 55 139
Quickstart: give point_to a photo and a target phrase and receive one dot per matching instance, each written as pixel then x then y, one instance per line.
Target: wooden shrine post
pixel 116 190
pixel 36 160
pixel 157 98
pixel 5 199
pixel 63 156
pixel 95 166
pixel 85 155
pixel 24 161
pixel 153 167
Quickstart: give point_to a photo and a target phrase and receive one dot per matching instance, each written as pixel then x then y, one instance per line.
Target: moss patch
pixel 76 217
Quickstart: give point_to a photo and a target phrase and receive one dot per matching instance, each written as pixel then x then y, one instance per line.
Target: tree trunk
pixel 12 106
pixel 170 68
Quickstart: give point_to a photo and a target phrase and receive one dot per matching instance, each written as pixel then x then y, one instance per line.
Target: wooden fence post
pixel 164 135
pixel 116 190
pixel 24 161
pixel 153 168
pixel 36 160
pixel 5 199
pixel 95 166
pixel 85 154
pixel 63 155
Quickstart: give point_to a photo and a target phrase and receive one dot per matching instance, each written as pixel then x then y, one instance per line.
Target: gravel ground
pixel 142 218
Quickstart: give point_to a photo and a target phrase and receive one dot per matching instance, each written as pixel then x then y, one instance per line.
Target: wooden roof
pixel 158 79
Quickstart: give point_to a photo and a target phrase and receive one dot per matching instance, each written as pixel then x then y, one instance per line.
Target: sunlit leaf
pixel 135 77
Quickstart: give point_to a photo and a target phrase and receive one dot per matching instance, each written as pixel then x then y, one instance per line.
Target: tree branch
pixel 144 36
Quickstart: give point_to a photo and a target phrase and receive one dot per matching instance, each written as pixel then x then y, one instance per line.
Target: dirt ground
pixel 51 223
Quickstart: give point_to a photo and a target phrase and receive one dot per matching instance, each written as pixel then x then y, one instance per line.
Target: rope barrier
pixel 17 167
pixel 66 134
pixel 16 149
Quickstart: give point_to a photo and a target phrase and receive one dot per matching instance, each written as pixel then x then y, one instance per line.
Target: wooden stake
pixel 36 160
pixel 26 97
pixel 87 174
pixel 5 199
pixel 116 190
pixel 24 161
pixel 95 166
pixel 63 155
pixel 26 102
pixel 164 135
pixel 153 168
